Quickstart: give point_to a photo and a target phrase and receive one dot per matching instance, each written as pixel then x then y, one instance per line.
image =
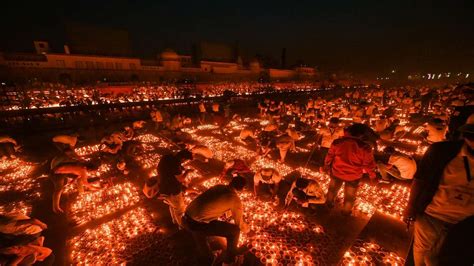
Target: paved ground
pixel 118 224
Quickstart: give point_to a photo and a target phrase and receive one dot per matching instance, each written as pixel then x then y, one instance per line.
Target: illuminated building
pixel 68 66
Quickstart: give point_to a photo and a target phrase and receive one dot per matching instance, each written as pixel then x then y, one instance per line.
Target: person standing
pixel 348 159
pixel 442 195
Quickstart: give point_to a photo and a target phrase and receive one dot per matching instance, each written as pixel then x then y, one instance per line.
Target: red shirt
pixel 349 158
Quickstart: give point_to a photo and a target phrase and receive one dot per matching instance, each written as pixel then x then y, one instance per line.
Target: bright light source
pixel 467 75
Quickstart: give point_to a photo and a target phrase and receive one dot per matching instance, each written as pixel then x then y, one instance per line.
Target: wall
pixel 281 73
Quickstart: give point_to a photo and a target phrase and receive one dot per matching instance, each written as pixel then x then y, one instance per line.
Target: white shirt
pixel 214 203
pixel 329 135
pixel 436 134
pixel 454 199
pixel 404 163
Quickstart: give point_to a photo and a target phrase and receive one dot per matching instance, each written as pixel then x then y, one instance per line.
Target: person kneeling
pixel 304 192
pixel 202 214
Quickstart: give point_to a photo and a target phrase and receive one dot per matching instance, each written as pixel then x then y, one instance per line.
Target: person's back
pixel 213 203
pixel 350 158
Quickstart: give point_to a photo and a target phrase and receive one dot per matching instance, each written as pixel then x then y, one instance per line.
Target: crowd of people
pixel 362 133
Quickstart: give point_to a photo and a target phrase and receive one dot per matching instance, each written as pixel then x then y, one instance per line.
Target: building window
pixel 89 64
pixel 79 64
pixel 118 65
pixel 133 66
pixel 100 65
pixel 109 65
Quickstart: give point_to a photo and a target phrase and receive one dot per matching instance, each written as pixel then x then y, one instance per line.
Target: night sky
pixel 363 37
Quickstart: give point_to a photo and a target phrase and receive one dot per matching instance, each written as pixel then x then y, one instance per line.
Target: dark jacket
pixel 427 178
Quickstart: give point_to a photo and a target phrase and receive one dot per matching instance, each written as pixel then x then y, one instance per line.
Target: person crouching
pixel 202 214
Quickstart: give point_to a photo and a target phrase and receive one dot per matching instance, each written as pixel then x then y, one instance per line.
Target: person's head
pixel 333 122
pixel 184 155
pixel 357 130
pixel 436 121
pixel 389 150
pixel 266 174
pixel 301 183
pixel 238 183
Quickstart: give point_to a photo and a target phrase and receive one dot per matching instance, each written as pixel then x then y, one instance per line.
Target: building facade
pixel 64 67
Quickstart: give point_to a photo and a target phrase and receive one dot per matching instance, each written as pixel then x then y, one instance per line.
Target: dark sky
pixel 354 35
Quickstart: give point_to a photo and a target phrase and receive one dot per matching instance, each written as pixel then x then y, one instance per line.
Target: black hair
pixel 334 120
pixel 302 182
pixel 357 130
pixel 238 183
pixel 184 155
pixel 151 181
pixel 389 150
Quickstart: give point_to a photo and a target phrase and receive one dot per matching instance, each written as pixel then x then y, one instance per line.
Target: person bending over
pixel 400 166
pixel 267 180
pixel 202 215
pixel 304 192
pixel 64 167
pixel 8 147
